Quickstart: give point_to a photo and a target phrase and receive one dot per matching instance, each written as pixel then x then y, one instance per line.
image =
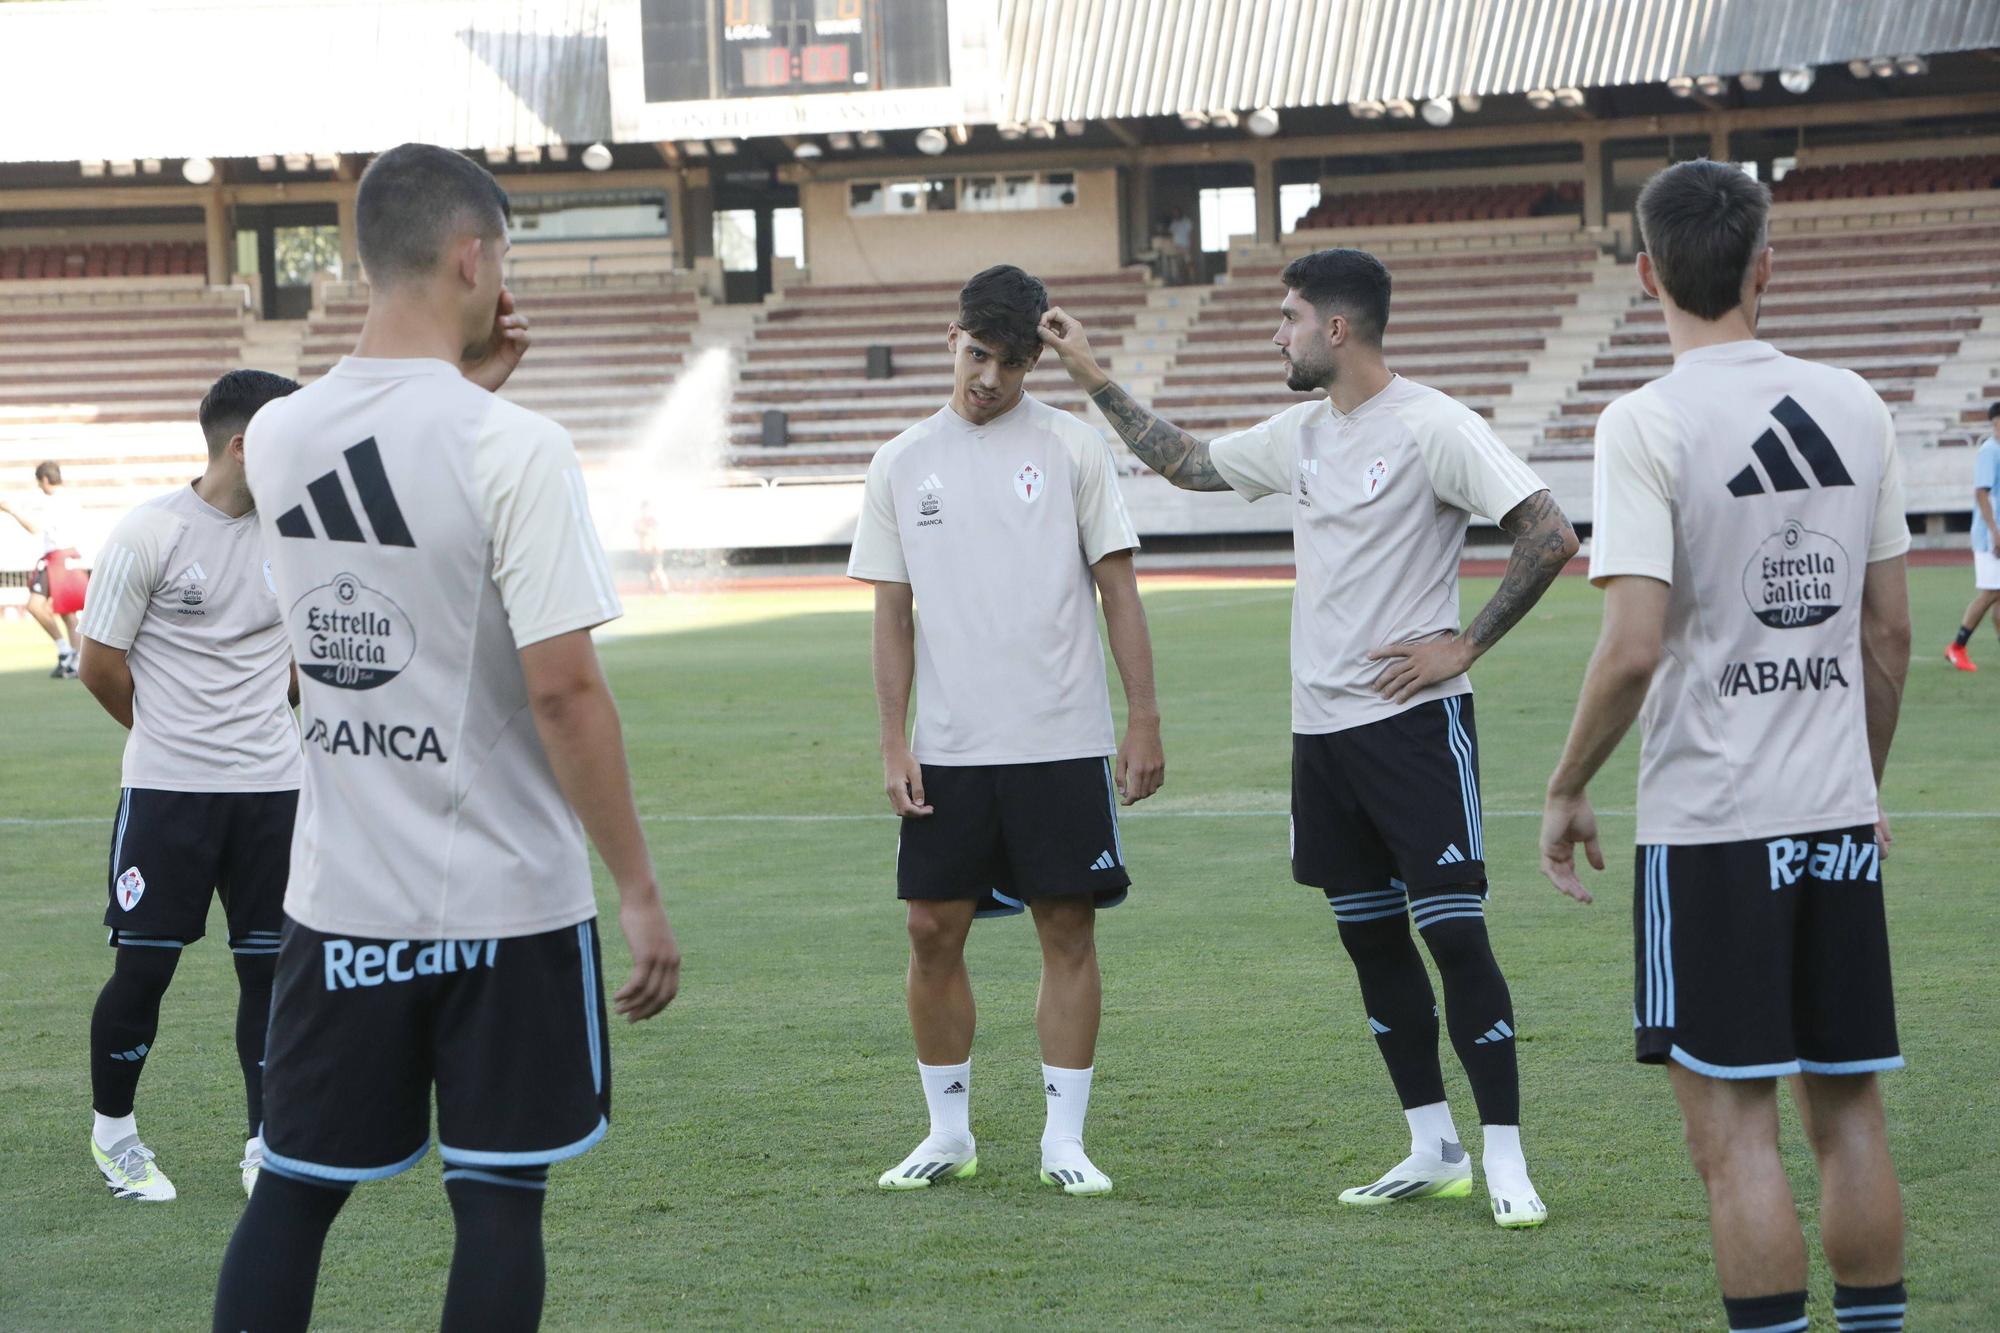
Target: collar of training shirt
pixel 1379 397
pixel 1737 352
pixel 203 509
pixel 391 367
pixel 1014 414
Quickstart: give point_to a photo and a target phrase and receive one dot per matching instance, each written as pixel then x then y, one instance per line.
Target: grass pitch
pixel 1238 1090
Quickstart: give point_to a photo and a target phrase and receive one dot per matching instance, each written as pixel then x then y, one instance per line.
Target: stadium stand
pixel 603 354
pixel 807 355
pixel 138 259
pixel 1897 305
pixel 1869 180
pixel 1472 203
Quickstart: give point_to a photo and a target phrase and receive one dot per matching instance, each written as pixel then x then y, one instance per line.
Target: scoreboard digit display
pixel 696 50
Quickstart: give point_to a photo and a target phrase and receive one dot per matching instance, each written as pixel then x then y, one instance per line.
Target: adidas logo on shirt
pixel 1497 1033
pixel 1452 856
pixel 1812 445
pixel 1104 862
pixel 336 517
pixel 930 483
pixel 194 573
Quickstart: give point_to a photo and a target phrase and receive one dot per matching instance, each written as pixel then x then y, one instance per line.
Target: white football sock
pixel 110 1130
pixel 1067 1092
pixel 948 1093
pixel 1506 1169
pixel 1431 1128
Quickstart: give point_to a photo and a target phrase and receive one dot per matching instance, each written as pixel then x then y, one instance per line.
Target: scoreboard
pixel 730 68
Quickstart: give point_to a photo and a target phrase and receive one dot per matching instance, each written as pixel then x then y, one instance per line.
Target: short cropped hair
pixel 49 472
pixel 1993 412
pixel 413 199
pixel 1352 282
pixel 232 400
pixel 1703 224
pixel 1002 306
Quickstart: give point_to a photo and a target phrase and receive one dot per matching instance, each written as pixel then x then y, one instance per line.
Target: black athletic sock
pixel 1402 1008
pixel 498 1274
pixel 1478 1011
pixel 271 1268
pixel 1870 1309
pixel 125 1022
pixel 1964 635
pixel 1783 1313
pixel 254 973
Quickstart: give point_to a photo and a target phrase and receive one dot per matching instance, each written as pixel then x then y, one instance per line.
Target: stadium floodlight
pixel 1223 120
pixel 724 147
pixel 597 158
pixel 1912 66
pixel 197 171
pixel 528 155
pixel 326 161
pixel 932 141
pixel 1541 99
pixel 1569 97
pixel 840 141
pixel 298 161
pixel 1439 111
pixel 150 165
pixel 1263 122
pixel 1859 68
pixel 1710 85
pixel 92 169
pixel 1010 130
pixel 1073 128
pixel 1194 120
pixel 869 139
pixel 962 134
pixel 1882 67
pixel 1365 110
pixel 123 168
pixel 268 162
pixel 1681 86
pixel 558 152
pixel 1752 81
pixel 695 148
pixel 1041 129
pixel 1796 79
pixel 495 157
pixel 1470 103
pixel 1400 108
pixel 805 150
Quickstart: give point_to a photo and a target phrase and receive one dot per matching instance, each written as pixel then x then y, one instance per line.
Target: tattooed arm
pixel 1160 445
pixel 1543 544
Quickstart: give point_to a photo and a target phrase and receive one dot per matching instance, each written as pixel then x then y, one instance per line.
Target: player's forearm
pixel 26 526
pixel 1544 541
pixel 585 744
pixel 1132 650
pixel 895 667
pixel 1614 689
pixel 108 676
pixel 1885 664
pixel 1984 499
pixel 1160 445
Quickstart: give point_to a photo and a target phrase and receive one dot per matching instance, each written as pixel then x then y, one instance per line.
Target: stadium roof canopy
pixel 91 80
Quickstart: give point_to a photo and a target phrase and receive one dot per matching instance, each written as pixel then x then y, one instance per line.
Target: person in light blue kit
pixel 1985 544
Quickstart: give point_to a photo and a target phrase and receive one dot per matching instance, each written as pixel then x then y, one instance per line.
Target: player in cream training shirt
pixel 1382 476
pixel 438 576
pixel 180 641
pixel 989 530
pixel 1750 539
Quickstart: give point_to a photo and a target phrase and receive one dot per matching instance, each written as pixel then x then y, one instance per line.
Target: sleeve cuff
pixel 1889 550
pixel 1091 557
pixel 528 636
pixel 1649 569
pixel 871 575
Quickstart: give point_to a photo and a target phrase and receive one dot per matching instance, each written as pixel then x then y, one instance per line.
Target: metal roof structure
pixel 95 79
pixel 1099 59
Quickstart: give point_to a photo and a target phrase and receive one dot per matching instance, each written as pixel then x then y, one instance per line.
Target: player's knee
pixel 1457 941
pixel 1726 1154
pixel 145 973
pixel 937 934
pixel 256 971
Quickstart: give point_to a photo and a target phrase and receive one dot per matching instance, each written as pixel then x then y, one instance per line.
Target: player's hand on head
pixel 1419 664
pixel 1142 763
pixel 503 350
pixel 903 780
pixel 1060 332
pixel 1567 821
pixel 656 961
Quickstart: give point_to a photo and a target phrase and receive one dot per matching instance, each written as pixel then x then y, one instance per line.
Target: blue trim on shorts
pixel 1781 1069
pixel 314 1171
pixel 542 1157
pixel 1851 1066
pixel 588 957
pixel 493 1178
pixel 121 940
